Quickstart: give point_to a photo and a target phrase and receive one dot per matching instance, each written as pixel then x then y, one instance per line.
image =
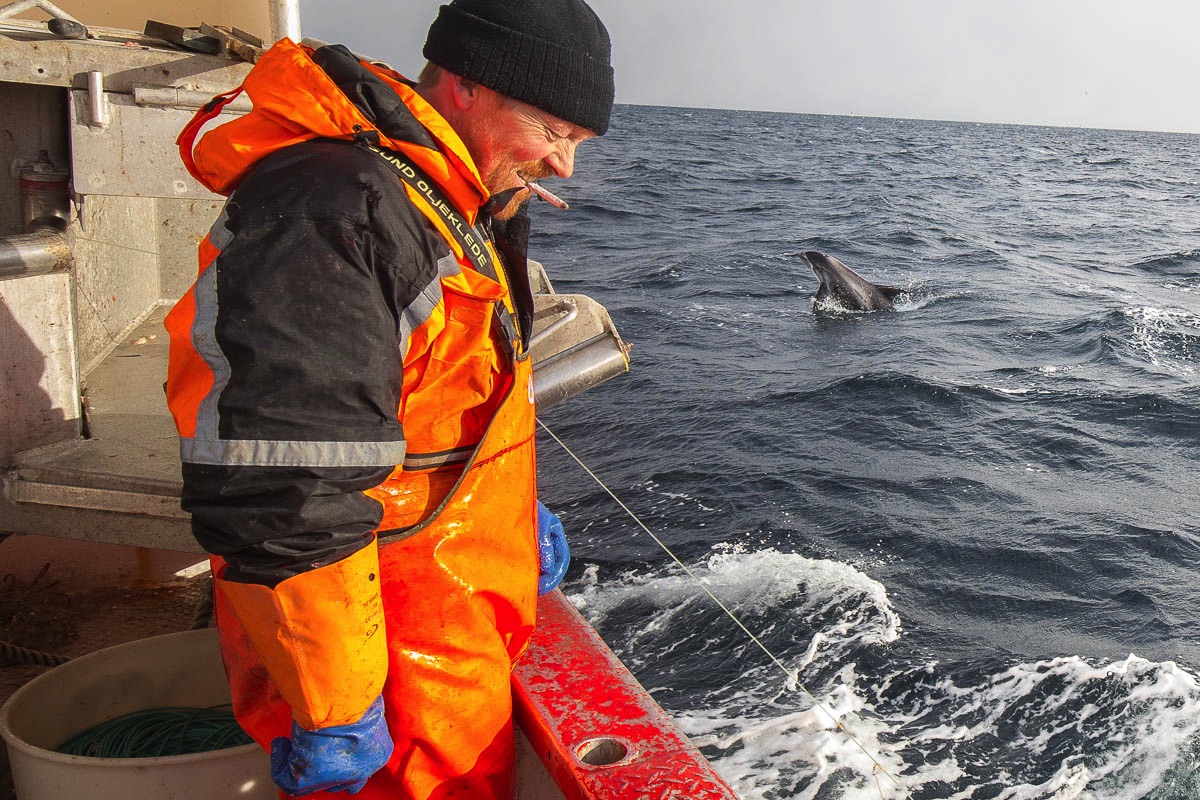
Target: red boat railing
pixel 597 730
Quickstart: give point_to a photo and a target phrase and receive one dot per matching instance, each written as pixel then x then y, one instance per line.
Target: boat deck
pixel 121 484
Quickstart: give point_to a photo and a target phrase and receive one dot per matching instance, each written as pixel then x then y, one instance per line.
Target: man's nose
pixel 562 160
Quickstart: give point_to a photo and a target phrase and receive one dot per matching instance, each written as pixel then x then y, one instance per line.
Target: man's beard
pixel 499 209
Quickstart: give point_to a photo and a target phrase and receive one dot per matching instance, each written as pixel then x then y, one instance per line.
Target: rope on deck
pixel 13 654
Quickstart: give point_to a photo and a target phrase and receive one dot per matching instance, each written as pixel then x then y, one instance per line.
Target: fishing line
pixel 792 675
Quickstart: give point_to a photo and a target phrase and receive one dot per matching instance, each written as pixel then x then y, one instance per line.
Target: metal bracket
pixel 211 39
pixel 235 42
pixel 564 304
pixel 21 6
pixel 97 103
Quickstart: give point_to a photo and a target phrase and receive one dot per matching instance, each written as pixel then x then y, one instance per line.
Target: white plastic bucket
pixel 179 669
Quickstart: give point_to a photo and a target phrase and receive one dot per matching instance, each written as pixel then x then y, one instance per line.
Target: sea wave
pixel 854 724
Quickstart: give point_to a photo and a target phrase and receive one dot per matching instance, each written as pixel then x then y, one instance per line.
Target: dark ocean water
pixel 970 525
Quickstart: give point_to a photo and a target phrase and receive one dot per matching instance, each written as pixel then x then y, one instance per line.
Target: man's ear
pixel 466 93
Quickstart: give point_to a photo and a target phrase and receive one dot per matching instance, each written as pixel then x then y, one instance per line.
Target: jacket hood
pixel 300 94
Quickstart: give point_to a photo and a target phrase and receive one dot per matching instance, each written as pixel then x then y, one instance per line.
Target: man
pixel 350 381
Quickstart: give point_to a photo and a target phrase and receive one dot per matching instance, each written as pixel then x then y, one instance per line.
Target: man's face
pixel 513 142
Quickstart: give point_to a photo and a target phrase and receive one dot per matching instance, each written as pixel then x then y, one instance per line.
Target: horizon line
pixel 916 119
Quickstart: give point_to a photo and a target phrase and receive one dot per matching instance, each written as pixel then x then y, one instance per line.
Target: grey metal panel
pixel 38 398
pixel 116 272
pixel 97 526
pixel 533 779
pixel 84 497
pixel 57 62
pixel 584 366
pixel 182 223
pixel 134 154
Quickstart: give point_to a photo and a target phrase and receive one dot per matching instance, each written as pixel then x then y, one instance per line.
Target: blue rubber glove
pixel 335 759
pixel 553 553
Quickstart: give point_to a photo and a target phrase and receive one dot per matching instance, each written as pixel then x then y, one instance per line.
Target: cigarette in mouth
pixel 548 196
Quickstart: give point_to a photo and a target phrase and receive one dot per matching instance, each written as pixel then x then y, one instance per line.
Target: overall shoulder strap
pixel 469 237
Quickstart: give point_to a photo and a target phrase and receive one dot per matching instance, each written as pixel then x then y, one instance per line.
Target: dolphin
pixel 846 288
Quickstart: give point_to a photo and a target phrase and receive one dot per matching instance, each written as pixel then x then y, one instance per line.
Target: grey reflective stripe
pixel 432 460
pixel 204 339
pixel 448 266
pixel 259 453
pixel 418 312
pixel 219 234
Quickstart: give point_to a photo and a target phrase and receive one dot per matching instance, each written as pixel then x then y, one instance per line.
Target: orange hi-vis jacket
pixel 349 380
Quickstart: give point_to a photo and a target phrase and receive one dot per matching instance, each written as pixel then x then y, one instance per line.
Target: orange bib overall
pixel 459 599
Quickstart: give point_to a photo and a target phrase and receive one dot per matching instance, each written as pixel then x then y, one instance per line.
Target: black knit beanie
pixel 552 54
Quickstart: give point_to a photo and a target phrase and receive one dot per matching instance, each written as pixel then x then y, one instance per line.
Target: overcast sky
pixel 1095 63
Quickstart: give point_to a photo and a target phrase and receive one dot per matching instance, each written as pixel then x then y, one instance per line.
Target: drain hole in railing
pixel 601 752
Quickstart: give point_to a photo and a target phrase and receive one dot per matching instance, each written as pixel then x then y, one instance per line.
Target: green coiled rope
pixel 159 732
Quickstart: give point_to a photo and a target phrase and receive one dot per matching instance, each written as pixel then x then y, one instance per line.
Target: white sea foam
pixel 755 583
pixel 1065 728
pixel 855 612
pixel 1121 750
pixel 1115 728
pixel 653 487
pixel 920 297
pixel 1010 390
pixel 1167 338
pixel 801 751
